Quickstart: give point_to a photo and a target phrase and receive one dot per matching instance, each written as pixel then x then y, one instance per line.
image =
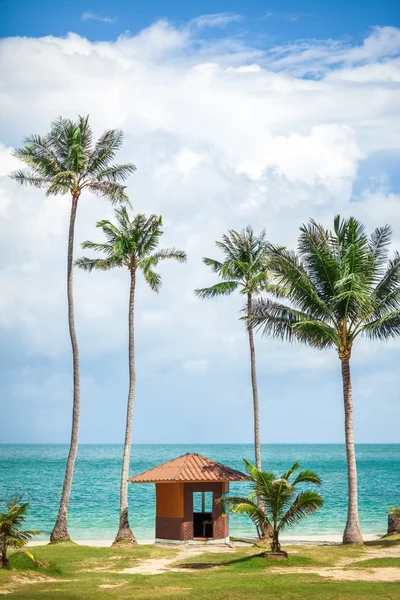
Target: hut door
pixel 202 514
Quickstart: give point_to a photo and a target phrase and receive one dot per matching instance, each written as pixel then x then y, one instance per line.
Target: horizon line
pixel 199 443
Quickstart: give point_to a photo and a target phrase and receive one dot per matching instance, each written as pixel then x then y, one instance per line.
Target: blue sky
pixel 275 21
pixel 266 115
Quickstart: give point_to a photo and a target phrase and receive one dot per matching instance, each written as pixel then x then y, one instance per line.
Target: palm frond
pixel 97 264
pixel 106 249
pixel 306 503
pixel 244 506
pixel 28 178
pixel 292 278
pixel 379 249
pixel 37 154
pixel 153 279
pixel 284 322
pixel 307 476
pixel 168 254
pixel 389 282
pixel 219 289
pixel 215 265
pixel 383 328
pixel 115 192
pixel 319 261
pixel 116 173
pixel 105 150
pixel 287 474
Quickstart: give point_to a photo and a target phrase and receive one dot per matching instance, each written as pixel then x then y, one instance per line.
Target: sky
pixel 265 115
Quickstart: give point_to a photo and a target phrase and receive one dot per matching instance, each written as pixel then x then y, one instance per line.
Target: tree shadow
pixel 383 543
pixel 222 563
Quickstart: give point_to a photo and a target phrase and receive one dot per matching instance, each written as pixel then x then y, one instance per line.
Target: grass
pixel 72 572
pixel 378 563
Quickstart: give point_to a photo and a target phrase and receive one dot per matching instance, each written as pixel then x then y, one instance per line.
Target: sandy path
pixel 341 574
pixel 343 570
pixel 156 566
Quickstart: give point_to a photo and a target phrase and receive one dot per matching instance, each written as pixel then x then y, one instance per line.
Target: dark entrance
pixel 202 514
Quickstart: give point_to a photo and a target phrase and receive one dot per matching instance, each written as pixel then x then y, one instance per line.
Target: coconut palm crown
pixel 243 269
pixel 68 160
pixel 11 534
pixel 340 285
pixel 131 244
pixel 282 504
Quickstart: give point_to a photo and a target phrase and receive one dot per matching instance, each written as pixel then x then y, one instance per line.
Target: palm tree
pixel 339 286
pixel 67 161
pixel 11 535
pixel 244 269
pixel 131 244
pixel 282 504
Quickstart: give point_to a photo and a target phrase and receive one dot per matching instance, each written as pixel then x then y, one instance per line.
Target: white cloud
pixel 317 57
pixel 91 16
pixel 215 20
pixel 223 135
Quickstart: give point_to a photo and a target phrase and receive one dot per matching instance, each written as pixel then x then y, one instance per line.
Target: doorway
pixel 203 514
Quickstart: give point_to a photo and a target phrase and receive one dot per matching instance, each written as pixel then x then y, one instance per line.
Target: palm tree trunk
pixel 125 534
pixel 60 531
pixel 3 558
pixel 257 446
pixel 352 533
pixel 275 545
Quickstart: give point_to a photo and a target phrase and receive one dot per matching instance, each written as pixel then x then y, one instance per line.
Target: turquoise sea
pixel 36 472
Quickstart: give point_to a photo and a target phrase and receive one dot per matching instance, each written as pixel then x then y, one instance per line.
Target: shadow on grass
pixel 221 563
pixel 384 542
pixel 254 561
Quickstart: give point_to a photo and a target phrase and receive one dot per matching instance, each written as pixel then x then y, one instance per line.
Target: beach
pixel 313 540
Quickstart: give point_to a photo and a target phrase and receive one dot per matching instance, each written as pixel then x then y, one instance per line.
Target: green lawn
pixel 71 572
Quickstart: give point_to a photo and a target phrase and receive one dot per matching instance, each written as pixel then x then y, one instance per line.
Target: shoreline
pixel 329 539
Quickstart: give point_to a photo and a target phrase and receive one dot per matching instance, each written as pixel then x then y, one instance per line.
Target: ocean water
pixel 36 472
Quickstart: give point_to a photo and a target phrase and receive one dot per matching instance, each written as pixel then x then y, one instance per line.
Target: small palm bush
pixel 11 534
pixel 281 503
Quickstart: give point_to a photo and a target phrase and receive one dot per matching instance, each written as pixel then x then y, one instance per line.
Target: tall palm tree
pixel 339 286
pixel 66 161
pixel 244 268
pixel 283 504
pixel 131 244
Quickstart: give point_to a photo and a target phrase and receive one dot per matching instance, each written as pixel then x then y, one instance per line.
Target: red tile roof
pixel 189 467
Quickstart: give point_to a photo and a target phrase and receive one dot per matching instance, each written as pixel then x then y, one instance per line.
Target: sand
pixel 299 539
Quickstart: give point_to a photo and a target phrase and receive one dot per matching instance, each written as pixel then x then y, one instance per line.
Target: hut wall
pixel 169 510
pixel 220 523
pixel 174 510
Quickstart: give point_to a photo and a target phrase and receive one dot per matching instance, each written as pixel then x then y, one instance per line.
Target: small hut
pixel 187 491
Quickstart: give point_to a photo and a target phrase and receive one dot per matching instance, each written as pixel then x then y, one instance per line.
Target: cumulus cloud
pixel 223 135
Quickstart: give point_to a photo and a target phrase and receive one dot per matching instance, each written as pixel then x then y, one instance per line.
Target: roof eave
pixel 191 481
